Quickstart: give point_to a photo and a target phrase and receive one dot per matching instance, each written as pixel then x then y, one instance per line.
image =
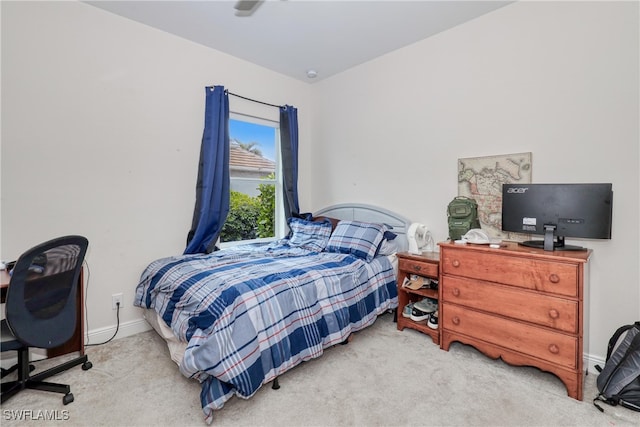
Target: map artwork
pixel 481 179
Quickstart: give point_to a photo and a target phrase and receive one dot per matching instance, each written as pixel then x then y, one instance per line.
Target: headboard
pixel 370 213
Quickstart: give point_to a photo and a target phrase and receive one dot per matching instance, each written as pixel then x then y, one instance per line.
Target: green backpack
pixel 462 214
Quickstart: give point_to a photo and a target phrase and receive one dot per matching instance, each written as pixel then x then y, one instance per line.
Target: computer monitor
pixel 556 211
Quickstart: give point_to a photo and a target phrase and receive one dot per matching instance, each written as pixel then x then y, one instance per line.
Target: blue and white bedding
pixel 250 313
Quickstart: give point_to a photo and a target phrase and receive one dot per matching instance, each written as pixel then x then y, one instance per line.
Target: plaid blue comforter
pixel 251 313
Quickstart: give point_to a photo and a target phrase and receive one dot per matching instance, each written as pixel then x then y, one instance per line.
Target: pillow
pixel 309 235
pixel 357 238
pixel 305 215
pixel 387 247
pixel 334 221
pixel 389 235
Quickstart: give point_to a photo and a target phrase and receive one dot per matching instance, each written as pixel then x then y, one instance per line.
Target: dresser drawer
pixel 530 273
pixel 534 341
pixel 545 310
pixel 420 268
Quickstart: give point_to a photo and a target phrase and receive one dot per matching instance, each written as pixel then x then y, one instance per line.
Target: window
pixel 255 211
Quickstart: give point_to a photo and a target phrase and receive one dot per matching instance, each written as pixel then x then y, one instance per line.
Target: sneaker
pixel 433 320
pixel 427 305
pixel 407 310
pixel 418 315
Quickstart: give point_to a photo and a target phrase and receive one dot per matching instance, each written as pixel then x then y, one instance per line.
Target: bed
pixel 238 318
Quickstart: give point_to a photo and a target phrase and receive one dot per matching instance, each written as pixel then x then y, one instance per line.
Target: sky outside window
pixel 263 136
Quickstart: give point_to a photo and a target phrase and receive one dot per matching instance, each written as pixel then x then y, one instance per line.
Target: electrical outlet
pixel 115 300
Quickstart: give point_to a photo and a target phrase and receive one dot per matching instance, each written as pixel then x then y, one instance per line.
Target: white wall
pixel 102 121
pixel 558 79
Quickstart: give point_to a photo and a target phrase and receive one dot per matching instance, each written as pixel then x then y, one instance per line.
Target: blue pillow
pixel 309 235
pixel 357 238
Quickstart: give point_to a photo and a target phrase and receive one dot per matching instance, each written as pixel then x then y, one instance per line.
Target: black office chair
pixel 41 310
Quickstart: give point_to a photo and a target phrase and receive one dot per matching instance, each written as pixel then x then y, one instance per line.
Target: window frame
pixel 279 217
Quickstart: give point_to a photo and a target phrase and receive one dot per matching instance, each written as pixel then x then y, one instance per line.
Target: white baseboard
pixel 133 327
pixel 97 336
pixel 590 363
pixel 141 325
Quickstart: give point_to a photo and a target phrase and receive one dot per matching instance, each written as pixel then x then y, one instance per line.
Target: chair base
pixel 4 372
pixel 25 381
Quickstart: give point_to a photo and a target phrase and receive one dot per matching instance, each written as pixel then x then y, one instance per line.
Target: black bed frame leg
pixel 346 341
pixel 276 384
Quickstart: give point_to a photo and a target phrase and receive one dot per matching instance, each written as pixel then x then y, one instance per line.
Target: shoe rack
pixel 427 265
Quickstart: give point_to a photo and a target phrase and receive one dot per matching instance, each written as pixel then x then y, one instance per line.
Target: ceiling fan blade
pixel 246 7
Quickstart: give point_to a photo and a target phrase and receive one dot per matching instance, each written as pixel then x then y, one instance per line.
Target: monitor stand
pixel 549 244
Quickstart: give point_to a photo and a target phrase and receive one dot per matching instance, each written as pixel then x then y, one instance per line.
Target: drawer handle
pixel 553 313
pixel 455 263
pixel 455 320
pixel 554 349
pixel 416 267
pixel 554 278
pixel 456 292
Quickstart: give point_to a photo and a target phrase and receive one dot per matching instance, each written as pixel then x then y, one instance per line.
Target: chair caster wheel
pixel 68 398
pixel 87 365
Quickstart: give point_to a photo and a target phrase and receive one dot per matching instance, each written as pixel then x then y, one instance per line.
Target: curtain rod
pixel 254 100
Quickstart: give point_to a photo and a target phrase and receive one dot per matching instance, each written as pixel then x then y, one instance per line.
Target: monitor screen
pixel 556 211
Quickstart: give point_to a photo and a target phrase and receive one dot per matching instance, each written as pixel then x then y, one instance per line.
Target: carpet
pixel 383 377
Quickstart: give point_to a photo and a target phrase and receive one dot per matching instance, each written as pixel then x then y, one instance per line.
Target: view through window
pixel 254 211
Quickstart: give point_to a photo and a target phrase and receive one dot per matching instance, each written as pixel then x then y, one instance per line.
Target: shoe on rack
pixel 416 282
pixel 407 310
pixel 418 315
pixel 433 320
pixel 427 305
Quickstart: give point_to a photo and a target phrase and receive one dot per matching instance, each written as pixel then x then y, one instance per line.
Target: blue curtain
pixel 289 152
pixel 212 188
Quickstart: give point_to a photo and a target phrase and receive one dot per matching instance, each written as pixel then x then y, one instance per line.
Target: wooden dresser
pixel 523 305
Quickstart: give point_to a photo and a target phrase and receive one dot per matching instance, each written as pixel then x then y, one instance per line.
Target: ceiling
pixel 294 36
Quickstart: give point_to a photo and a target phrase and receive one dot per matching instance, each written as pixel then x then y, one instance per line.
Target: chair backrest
pixel 41 304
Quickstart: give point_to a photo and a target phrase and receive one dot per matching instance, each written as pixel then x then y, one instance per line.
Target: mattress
pixel 177 347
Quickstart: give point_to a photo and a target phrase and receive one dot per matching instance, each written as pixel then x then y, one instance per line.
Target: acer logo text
pixel 517 190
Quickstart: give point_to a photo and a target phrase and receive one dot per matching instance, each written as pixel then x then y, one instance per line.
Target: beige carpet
pixel 382 378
